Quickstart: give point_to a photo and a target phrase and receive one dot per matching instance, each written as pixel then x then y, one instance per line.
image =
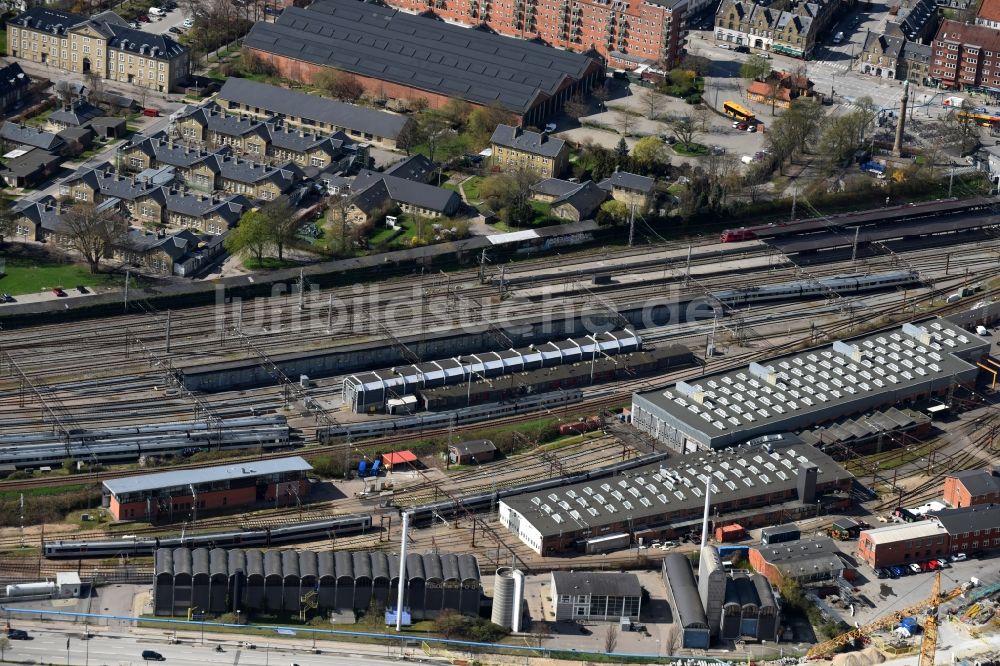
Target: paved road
pixel 172 19
pixel 49 645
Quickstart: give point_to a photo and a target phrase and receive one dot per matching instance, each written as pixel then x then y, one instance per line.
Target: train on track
pixel 434 420
pixel 128 444
pixel 267 536
pixel 837 284
pixel 344 525
pixel 884 216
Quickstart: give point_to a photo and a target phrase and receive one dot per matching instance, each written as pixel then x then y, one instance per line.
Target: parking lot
pixel 159 25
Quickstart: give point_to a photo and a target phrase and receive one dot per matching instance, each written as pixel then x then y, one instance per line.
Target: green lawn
pixel 27 276
pixel 471 187
pixel 542 208
pixel 692 150
pixel 268 264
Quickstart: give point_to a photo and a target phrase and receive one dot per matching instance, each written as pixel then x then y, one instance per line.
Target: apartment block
pixel 965 55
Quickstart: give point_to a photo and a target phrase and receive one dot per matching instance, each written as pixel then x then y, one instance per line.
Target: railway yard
pixel 85 401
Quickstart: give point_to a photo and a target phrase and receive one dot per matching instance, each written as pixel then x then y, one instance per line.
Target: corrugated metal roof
pixel 183 478
pixel 688 611
pixel 905 531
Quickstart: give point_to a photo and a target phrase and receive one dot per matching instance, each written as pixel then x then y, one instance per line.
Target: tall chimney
pixel 402 570
pixel 897 147
pixel 806 483
pixel 708 507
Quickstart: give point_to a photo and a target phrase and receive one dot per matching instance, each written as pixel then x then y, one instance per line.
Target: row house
pixel 794 32
pixel 268 141
pixel 895 58
pixel 14 86
pixel 966 56
pixel 182 253
pixel 374 194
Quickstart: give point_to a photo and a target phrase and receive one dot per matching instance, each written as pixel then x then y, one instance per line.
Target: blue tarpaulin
pixel 390 617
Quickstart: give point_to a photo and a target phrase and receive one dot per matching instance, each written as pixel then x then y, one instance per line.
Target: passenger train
pixel 268 536
pixel 129 444
pixel 839 284
pixel 430 420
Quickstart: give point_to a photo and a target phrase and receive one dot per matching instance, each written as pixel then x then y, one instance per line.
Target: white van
pixel 156 11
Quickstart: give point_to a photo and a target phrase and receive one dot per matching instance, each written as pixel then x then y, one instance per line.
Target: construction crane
pixel 929 645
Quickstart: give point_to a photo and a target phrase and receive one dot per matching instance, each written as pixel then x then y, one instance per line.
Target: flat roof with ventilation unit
pixel 795 392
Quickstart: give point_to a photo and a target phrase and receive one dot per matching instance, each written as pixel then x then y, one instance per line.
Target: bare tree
pixel 624 121
pixel 65 93
pixel 339 85
pixel 576 106
pixel 433 130
pixel 601 94
pixel 673 640
pixel 93 233
pixel 653 104
pixel 7 219
pixel 688 128
pixel 610 638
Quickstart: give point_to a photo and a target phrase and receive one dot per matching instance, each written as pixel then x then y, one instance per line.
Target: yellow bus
pixel 738 112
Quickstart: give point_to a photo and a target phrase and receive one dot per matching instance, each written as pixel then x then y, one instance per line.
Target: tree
pixel 841 138
pixel 409 137
pixel 449 623
pixel 282 222
pixel 649 153
pixel 610 638
pixel 612 212
pixel 576 106
pixel 624 121
pixel 867 113
pixel 65 93
pixel 93 233
pixel 483 122
pixel 960 128
pixel 652 103
pixel 457 112
pixel 433 129
pixel 7 220
pixel 621 154
pixel 339 85
pixel 673 640
pixel 601 94
pixel 519 212
pixel 251 237
pixel 4 646
pixel 755 68
pixel 687 128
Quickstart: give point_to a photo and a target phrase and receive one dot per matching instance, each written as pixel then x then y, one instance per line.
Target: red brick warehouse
pixel 401 56
pixel 173 496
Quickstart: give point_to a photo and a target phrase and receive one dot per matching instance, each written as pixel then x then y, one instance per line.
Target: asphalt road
pixel 50 646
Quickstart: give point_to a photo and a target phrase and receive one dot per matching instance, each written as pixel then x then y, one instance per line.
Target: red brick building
pixel 903 543
pixel 626 33
pixel 965 55
pixel 170 496
pixel 972 529
pixel 972 487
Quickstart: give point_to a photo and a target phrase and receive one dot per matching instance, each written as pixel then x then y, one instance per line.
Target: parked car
pixel 725 46
pixel 273 11
pixel 83 290
pixel 58 291
pixel 6 298
pixel 151 111
pixel 177 31
pixel 188 22
pixel 742 49
pixel 18 635
pixel 943 563
pixel 142 18
pixel 932 565
pixel 881 573
pixel 894 572
pixel 915 568
pixel 152 655
pixel 551 127
pixel 899 571
pixel 740 126
pixel 156 11
pixel 751 128
pixel 958 557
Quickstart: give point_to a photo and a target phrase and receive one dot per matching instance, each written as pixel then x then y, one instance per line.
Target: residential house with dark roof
pixel 550 189
pixel 894 57
pixel 207 214
pixel 100 183
pixel 415 167
pixel 256 180
pixel 29 168
pixel 972 487
pixel 802 561
pixel 913 20
pixel 595 596
pixel 630 188
pixel 31 137
pixel 103 44
pixel 182 253
pixel 794 32
pixel 269 141
pixel 472 452
pixel 515 149
pixel 971 529
pixel 77 114
pixel 33 219
pixel 14 86
pixel 310 112
pixel 397 55
pixel 374 194
pixel 580 204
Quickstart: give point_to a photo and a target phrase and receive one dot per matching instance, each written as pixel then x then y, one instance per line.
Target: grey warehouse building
pixel 595 595
pixel 801 390
pixel 756 484
pixel 221 581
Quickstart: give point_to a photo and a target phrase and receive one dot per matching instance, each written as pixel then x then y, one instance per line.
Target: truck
pixel 873 167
